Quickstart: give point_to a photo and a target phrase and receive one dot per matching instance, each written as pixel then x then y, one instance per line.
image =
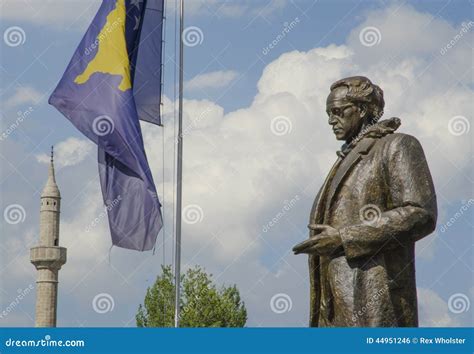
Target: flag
pixel 112 82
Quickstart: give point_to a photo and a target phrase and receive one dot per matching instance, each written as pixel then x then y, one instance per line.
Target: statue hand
pixel 326 242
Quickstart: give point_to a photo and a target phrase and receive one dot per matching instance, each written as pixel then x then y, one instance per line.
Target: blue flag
pixel 112 82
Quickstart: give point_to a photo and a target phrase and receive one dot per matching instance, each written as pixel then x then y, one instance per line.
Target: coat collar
pixel 375 131
pixel 358 148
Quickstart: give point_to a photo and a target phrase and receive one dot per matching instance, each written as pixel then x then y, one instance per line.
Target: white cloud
pixel 420 34
pixel 69 152
pixel 433 310
pixel 23 95
pixel 214 79
pixel 269 8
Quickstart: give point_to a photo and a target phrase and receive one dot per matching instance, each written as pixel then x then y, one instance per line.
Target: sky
pixel 257 148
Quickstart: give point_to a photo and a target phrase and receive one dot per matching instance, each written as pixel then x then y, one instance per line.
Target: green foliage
pixel 202 303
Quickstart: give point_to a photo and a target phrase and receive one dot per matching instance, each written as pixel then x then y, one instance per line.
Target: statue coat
pixel 381 198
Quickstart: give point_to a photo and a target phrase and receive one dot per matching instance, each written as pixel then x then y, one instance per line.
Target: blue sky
pixel 239 171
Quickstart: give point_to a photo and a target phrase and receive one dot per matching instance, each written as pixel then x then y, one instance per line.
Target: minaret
pixel 48 257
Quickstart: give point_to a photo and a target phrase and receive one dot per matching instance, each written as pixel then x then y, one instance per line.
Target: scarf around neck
pixel 375 131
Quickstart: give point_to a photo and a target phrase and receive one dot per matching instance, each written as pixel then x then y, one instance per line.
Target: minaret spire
pixel 51 188
pixel 51 173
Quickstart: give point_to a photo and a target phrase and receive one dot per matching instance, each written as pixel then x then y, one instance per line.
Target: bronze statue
pixel 376 202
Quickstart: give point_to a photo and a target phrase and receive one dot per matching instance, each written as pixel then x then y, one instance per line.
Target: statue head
pixel 353 103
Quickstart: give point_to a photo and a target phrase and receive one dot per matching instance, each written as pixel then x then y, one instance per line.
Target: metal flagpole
pixel 179 187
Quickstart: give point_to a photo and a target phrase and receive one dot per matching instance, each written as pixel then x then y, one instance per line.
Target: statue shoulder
pixel 398 142
pixel 399 139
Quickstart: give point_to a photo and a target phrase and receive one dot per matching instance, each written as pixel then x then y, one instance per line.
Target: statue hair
pixel 360 90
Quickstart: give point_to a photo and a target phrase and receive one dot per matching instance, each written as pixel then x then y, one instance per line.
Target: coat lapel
pixel 357 153
pixel 316 211
pixel 314 272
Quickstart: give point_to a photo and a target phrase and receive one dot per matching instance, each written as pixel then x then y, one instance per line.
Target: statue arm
pixel 412 209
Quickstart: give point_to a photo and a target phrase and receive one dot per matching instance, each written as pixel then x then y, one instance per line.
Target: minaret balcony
pixel 48 256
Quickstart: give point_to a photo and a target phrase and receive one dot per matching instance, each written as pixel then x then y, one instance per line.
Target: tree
pixel 202 303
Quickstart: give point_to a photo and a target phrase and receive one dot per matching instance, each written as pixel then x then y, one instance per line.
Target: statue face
pixel 345 117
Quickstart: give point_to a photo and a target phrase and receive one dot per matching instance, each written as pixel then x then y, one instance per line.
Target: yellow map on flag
pixel 112 56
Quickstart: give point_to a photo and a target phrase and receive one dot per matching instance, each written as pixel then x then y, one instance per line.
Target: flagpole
pixel 179 187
